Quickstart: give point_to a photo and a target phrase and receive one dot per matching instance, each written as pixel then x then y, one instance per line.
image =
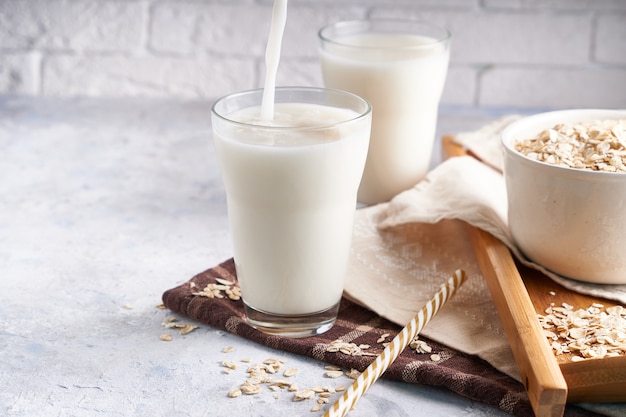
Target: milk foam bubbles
pixel 291 187
pixel 298 119
pixel 402 75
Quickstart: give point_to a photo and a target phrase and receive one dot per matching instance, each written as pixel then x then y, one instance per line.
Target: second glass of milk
pixel 400 67
pixel 291 184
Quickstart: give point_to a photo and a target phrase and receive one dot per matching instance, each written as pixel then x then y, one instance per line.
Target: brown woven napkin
pixel 464 374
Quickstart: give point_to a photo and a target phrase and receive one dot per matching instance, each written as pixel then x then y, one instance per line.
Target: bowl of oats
pixel 565 174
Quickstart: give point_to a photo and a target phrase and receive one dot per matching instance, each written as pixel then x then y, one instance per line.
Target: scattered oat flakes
pixel 272 366
pixel 183 328
pixel 229 364
pixel 228 349
pixel 306 394
pixel 260 374
pixel 420 346
pixel 161 306
pixel 234 393
pixel 224 282
pixel 348 348
pixel 166 337
pixel 233 293
pixel 217 290
pixel 173 323
pixel 249 388
pixel 280 384
pixel 435 357
pixel 597 145
pixel 353 373
pixel 333 374
pixel 594 332
pixel 188 328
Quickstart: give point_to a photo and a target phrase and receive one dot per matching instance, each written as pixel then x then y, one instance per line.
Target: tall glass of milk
pixel 400 67
pixel 291 185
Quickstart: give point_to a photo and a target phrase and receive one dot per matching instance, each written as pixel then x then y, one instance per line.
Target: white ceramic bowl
pixel 571 221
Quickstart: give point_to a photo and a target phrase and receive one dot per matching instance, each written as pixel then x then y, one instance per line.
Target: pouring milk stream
pixel 272 57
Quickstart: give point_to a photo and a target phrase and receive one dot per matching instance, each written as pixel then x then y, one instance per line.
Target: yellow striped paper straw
pixel 349 398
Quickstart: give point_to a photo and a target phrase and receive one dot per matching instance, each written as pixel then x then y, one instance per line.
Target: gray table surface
pixel 105 204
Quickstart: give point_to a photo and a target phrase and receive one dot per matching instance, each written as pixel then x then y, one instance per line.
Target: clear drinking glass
pixel 400 67
pixel 291 193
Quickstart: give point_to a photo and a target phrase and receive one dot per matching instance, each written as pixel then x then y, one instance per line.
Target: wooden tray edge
pixel 540 372
pixel 589 382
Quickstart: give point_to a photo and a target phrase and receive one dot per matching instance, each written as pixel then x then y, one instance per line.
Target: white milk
pixel 404 85
pixel 291 201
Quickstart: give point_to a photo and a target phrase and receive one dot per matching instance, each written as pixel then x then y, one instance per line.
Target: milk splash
pixel 272 57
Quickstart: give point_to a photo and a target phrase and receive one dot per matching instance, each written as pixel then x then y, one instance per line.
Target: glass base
pixel 292 326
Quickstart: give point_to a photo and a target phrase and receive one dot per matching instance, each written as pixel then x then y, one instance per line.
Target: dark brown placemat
pixel 463 374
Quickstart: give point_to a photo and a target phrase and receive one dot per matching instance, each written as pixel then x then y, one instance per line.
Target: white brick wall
pixel 505 53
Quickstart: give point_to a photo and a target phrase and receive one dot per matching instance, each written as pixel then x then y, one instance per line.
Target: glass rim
pixel 321 126
pixel 366 24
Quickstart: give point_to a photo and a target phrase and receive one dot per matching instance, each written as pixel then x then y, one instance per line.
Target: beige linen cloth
pixel 405 249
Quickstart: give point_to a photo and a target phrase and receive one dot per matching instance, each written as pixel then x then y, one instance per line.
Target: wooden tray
pixel 521 293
